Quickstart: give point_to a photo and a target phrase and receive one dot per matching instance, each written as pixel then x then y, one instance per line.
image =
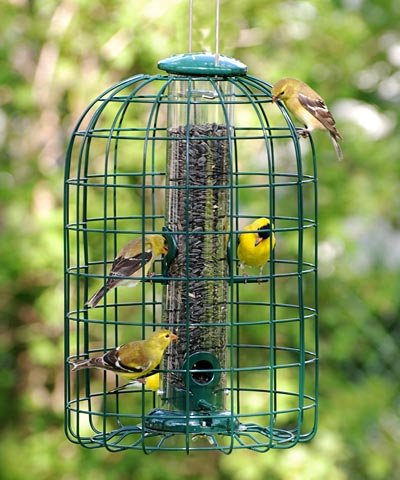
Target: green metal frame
pixel 115 186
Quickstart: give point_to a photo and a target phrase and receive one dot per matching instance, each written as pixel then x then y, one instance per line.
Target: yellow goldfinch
pixel 133 360
pixel 254 248
pixel 129 263
pixel 308 107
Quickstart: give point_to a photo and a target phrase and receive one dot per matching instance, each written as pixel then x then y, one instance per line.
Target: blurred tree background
pixel 55 57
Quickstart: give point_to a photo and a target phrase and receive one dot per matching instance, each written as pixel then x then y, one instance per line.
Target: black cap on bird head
pixel 264 232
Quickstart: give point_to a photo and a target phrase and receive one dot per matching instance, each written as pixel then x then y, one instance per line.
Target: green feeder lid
pixel 202 64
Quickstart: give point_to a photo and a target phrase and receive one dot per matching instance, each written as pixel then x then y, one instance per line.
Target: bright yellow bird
pixel 133 360
pixel 129 263
pixel 308 107
pixel 254 248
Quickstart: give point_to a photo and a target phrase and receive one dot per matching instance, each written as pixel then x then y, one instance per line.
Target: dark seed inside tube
pixel 198 201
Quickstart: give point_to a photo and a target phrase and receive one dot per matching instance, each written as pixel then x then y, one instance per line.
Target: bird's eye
pixel 167 335
pixel 282 92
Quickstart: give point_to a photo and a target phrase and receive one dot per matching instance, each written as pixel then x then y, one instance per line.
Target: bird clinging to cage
pixel 132 261
pixel 254 247
pixel 308 107
pixel 134 360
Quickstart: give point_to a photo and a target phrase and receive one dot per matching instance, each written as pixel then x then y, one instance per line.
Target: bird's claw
pixel 303 132
pixel 149 276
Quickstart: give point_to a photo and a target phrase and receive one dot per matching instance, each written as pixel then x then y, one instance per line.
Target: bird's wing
pixel 112 359
pixel 127 266
pixel 320 111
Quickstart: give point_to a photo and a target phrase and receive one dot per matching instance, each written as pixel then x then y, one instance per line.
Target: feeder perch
pixel 195 154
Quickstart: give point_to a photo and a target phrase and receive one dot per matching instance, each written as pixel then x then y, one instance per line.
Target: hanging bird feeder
pixel 195 154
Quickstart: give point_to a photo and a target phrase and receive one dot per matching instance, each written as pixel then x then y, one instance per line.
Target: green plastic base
pixel 222 422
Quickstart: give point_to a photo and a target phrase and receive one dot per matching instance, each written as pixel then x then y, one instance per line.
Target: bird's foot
pixel 149 276
pixel 303 132
pixel 260 276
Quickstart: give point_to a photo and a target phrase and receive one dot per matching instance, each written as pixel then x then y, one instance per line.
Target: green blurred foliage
pixel 55 57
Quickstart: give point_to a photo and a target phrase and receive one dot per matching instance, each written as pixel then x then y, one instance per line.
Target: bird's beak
pixel 258 240
pixel 174 337
pixel 165 250
pixel 275 98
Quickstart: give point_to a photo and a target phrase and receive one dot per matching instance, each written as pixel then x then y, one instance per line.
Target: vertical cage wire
pixel 232 149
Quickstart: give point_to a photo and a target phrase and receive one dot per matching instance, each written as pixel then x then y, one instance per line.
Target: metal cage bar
pixel 116 181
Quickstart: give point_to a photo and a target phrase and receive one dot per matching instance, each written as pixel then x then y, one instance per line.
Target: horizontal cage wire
pixel 192 160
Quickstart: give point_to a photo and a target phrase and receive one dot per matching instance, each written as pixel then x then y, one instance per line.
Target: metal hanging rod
pixel 217 34
pixel 190 24
pixel 216 29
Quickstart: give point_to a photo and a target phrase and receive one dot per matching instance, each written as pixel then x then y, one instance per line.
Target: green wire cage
pixel 195 154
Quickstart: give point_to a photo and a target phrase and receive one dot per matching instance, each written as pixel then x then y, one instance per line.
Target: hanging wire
pixel 217 34
pixel 216 29
pixel 190 24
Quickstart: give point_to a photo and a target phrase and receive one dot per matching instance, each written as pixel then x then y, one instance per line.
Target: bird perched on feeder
pixel 254 247
pixel 133 260
pixel 308 107
pixel 134 360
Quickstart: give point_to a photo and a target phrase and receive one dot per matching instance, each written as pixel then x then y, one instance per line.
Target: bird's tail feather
pixel 95 299
pixel 338 150
pixel 80 365
pixel 96 362
pixel 138 381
